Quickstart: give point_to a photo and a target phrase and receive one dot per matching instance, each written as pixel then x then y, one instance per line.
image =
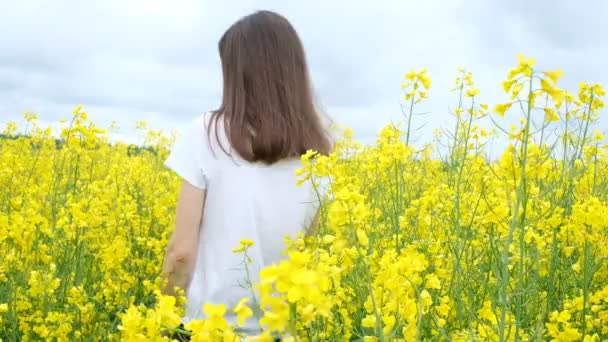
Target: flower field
pixel 438 242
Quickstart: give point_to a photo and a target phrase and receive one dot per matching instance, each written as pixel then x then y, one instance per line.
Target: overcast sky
pixel 156 60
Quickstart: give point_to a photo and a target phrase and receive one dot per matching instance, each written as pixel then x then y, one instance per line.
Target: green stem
pixel 514 220
pixel 293 316
pixel 409 121
pixel 587 278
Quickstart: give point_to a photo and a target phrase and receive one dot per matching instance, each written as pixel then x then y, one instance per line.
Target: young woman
pixel 238 166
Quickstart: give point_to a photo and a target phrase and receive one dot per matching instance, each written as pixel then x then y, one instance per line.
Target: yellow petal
pixel 554 75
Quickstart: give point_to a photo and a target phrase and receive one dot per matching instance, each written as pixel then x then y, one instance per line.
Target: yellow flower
pixel 230 336
pixel 215 316
pixel 443 309
pixel 598 136
pixel 598 90
pixel 131 322
pixel 85 221
pixel 472 92
pixel 411 75
pixel 517 88
pixel 561 317
pixel 425 299
pixel 243 311
pixel 308 313
pixel 275 321
pixel 167 311
pixel 551 115
pixel 362 238
pixel 389 324
pixel 77 109
pixel 527 62
pixel 239 249
pixel 441 322
pixel 426 81
pixel 507 85
pixel 570 334
pixel 369 321
pixel 468 79
pixel 327 239
pixel 501 108
pixel 554 75
pixel 432 281
pixel 591 338
pixel 243 245
pixel 265 336
pixel 246 242
pixel 415 80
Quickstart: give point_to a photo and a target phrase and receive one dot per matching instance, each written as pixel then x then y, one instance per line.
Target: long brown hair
pixel 267 108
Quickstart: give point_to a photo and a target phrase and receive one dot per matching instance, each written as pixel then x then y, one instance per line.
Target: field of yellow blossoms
pixel 440 242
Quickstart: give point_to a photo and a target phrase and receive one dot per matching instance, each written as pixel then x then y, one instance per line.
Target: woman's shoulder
pixel 201 125
pixel 201 120
pixel 211 133
pixel 195 132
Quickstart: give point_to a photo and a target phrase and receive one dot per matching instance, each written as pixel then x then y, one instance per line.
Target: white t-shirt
pixel 244 201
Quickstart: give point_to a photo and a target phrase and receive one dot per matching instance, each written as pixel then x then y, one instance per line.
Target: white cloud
pixel 157 60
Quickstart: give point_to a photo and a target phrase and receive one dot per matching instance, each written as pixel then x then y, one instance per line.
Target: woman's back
pixel 245 200
pixel 238 164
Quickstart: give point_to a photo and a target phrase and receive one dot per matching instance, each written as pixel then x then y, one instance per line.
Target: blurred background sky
pixel 156 60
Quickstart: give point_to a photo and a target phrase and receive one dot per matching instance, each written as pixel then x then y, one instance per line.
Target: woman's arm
pixel 183 246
